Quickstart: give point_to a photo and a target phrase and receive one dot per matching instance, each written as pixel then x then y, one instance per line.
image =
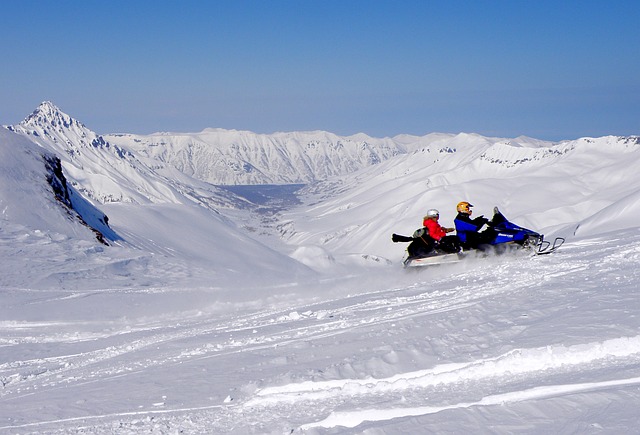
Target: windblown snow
pixel 210 310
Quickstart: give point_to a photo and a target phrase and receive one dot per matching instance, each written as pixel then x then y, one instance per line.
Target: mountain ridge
pixel 241 157
pixel 218 156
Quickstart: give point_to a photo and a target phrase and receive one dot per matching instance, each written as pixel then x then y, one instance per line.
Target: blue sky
pixel 547 69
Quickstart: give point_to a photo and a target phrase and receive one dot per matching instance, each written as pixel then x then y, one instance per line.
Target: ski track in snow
pixel 503 369
pixel 354 418
pixel 514 376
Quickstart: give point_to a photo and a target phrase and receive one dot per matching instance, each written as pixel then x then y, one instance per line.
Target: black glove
pixel 394 238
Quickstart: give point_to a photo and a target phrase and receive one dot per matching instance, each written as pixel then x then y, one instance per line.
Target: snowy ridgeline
pixel 202 316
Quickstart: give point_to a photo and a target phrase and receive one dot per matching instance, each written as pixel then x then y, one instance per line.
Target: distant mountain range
pixel 216 156
pixel 241 157
pixel 163 167
pixel 394 179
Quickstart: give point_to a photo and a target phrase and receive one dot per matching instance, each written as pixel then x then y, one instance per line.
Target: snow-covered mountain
pixel 109 173
pixel 193 320
pixel 411 173
pixel 240 157
pixel 74 179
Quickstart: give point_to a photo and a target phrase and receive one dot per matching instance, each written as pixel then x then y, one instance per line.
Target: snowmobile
pixel 505 237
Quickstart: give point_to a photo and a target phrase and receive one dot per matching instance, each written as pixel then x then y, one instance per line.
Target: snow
pixel 202 316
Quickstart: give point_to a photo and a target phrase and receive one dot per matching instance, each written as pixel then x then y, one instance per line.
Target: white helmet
pixel 433 212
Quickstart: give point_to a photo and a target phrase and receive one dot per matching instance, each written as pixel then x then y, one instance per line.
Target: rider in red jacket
pixel 436 231
pixel 431 236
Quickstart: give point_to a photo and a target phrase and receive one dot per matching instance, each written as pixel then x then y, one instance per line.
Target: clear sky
pixel 546 69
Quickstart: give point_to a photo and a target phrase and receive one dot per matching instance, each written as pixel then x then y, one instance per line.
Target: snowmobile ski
pixel 545 247
pixel 433 260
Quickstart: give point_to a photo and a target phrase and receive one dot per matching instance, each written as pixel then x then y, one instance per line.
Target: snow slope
pixel 543 345
pixel 28 201
pixel 579 187
pixel 192 241
pixel 191 322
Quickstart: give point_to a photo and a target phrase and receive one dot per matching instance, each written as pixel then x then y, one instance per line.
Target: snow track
pixel 355 418
pixel 513 368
